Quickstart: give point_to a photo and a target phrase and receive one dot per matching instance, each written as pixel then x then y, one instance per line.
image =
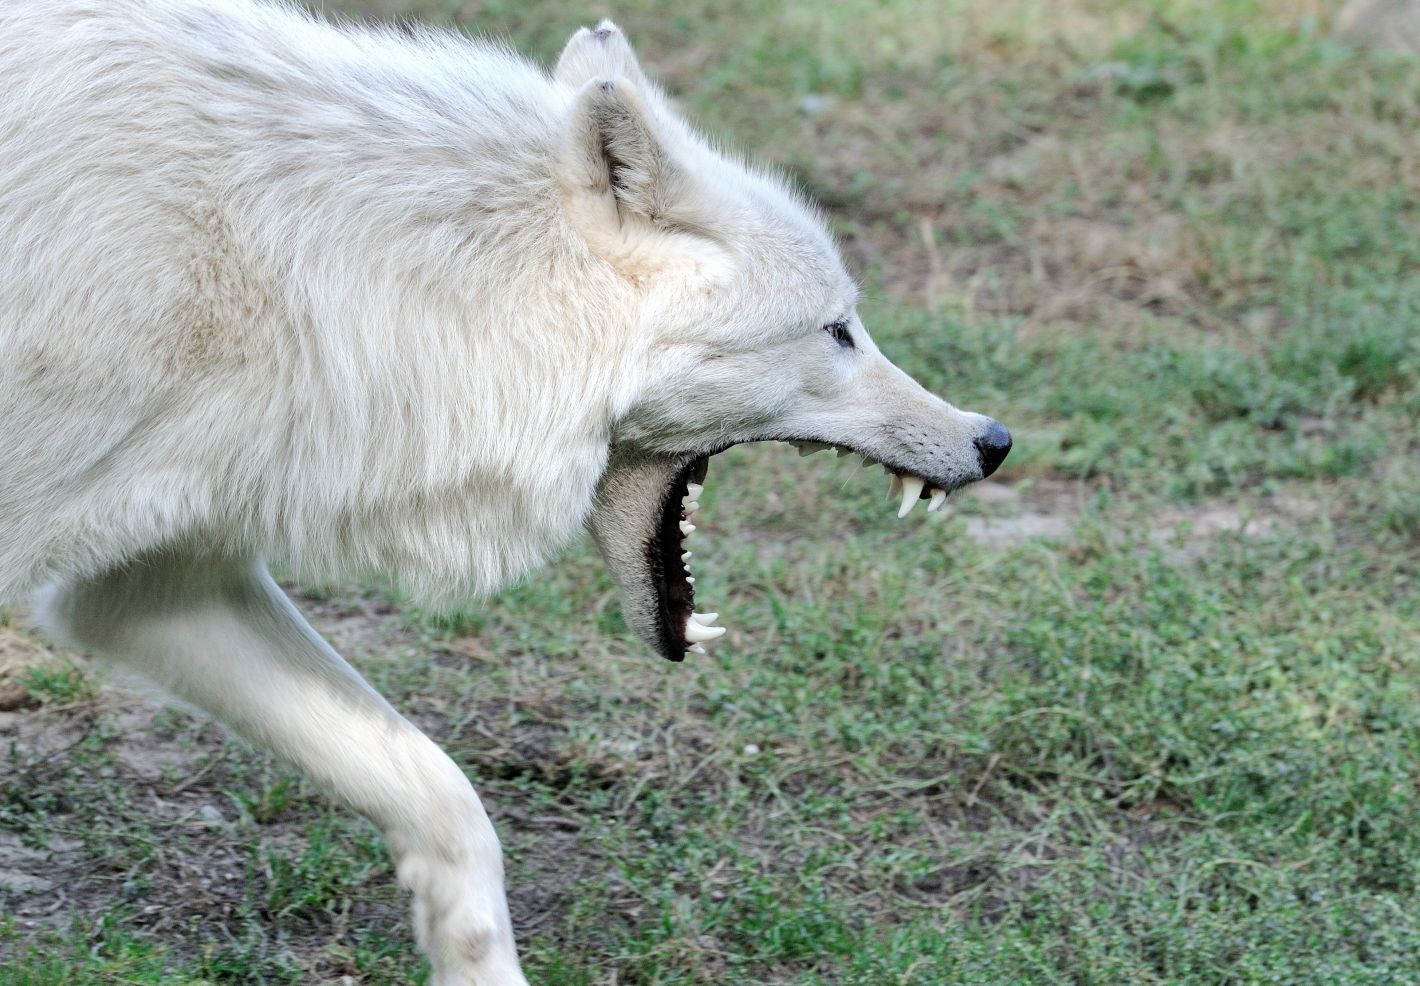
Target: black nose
pixel 992 447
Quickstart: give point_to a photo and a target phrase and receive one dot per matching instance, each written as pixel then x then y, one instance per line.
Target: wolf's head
pixel 747 331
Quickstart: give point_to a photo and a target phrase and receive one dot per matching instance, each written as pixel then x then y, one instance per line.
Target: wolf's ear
pixel 612 150
pixel 598 53
pixel 621 186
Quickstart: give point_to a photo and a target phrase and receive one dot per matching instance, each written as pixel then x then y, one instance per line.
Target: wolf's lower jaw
pixel 699 628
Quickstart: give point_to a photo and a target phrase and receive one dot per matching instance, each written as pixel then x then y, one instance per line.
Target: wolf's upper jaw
pixel 912 488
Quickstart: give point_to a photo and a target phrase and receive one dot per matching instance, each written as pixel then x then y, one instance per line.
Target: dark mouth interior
pixel 677 595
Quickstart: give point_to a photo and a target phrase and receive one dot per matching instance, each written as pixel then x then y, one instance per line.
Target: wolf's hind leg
pixel 221 634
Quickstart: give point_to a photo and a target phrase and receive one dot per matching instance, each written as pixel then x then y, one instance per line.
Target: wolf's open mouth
pixel 669 553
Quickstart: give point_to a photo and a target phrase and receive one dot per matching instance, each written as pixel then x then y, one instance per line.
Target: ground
pixel 1144 708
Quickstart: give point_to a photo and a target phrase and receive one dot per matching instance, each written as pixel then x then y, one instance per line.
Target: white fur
pixel 359 301
pixel 273 282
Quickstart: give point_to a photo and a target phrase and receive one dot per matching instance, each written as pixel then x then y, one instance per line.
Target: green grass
pixel 1175 248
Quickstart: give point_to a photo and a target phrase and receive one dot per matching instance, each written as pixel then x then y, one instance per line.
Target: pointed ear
pixel 614 165
pixel 627 194
pixel 598 53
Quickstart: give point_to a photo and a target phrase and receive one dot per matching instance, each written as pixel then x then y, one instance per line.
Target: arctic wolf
pixel 360 301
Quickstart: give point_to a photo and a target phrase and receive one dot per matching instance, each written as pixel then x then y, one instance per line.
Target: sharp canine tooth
pixel 911 490
pixel 686 527
pixel 939 497
pixel 705 619
pixel 894 484
pixel 696 634
pixel 685 556
pixel 693 490
pixel 699 649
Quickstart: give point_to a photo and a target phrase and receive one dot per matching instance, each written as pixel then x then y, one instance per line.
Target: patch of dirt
pixel 153 774
pixel 1000 515
pixel 1390 24
pixel 969 220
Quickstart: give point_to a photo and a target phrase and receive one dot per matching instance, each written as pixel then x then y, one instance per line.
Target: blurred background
pixel 1144 708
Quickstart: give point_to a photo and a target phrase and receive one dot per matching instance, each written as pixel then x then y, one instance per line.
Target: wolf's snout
pixel 992 447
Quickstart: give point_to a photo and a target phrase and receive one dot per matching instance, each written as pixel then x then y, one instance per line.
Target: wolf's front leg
pixel 221 634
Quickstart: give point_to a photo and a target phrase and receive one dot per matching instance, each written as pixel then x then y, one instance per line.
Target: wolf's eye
pixel 840 333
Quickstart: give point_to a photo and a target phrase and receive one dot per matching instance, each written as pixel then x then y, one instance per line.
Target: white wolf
pixel 358 300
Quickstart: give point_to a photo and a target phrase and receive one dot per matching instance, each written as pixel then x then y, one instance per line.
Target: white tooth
pixel 939 497
pixel 809 448
pixel 685 556
pixel 693 490
pixel 697 634
pixel 699 649
pixel 894 484
pixel 705 619
pixel 911 490
pixel 686 527
pixel 689 506
pixel 690 579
